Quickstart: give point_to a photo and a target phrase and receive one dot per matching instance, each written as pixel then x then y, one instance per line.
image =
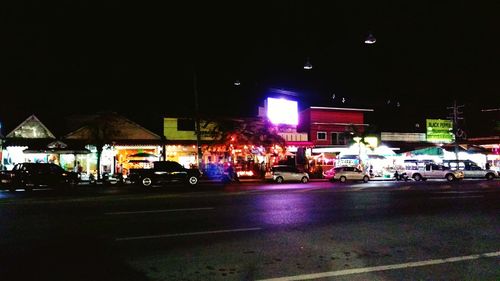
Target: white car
pixel 434 171
pixel 282 173
pixel 470 169
pixel 344 174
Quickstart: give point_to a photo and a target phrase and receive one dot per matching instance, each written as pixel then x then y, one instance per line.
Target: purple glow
pixel 282 111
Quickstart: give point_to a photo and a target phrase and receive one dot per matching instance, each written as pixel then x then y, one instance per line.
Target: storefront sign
pixel 408 137
pixel 440 130
pixel 282 111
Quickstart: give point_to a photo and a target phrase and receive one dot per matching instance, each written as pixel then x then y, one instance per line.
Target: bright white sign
pixel 282 111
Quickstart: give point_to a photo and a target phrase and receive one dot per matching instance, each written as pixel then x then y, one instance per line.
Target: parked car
pixel 434 171
pixel 164 172
pixel 31 175
pixel 282 173
pixel 344 174
pixel 470 169
pixel 329 174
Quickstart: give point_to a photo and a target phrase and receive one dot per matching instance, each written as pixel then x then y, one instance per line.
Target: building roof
pixel 342 108
pixel 120 128
pixel 34 122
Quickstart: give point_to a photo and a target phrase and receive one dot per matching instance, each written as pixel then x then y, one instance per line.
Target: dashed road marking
pixel 187 234
pixel 159 211
pixel 456 197
pixel 383 267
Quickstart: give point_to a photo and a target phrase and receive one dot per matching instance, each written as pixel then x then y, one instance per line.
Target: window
pixel 321 135
pixel 337 139
pixel 55 169
pixel 168 166
pixel 185 125
pixel 436 167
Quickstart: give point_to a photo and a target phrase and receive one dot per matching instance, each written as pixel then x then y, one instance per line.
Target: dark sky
pixel 138 58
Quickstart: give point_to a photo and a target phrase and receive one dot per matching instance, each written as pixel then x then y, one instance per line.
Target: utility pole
pixel 456 115
pixel 197 119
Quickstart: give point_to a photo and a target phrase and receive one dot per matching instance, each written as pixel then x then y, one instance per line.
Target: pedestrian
pixel 231 173
pixel 79 168
pixel 262 169
pixel 396 175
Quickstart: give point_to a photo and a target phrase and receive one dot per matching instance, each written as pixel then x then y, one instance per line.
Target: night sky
pixel 138 59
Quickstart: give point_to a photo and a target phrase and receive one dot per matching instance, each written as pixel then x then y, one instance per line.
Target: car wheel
pixel 343 179
pixel 489 176
pixel 279 180
pixel 146 182
pixel 450 177
pixel 366 179
pixel 417 177
pixel 192 180
pixel 28 186
pixel 304 180
pixel 72 183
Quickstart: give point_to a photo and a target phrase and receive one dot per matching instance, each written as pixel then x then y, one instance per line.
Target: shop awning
pixel 402 146
pixel 143 154
pixel 38 143
pixel 299 143
pixel 56 151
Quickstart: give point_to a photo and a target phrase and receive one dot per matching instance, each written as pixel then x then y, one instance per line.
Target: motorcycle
pixel 229 178
pixel 401 177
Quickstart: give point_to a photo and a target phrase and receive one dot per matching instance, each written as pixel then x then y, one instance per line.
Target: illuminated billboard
pixel 439 130
pixel 282 111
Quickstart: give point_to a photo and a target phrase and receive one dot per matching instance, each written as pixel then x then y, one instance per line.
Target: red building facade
pixel 328 125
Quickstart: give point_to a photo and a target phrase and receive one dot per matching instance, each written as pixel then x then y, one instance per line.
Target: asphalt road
pixel 430 230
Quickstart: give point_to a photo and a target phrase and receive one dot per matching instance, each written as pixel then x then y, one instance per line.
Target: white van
pixel 470 169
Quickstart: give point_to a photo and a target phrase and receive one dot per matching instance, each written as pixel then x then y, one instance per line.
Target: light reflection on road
pixel 284 209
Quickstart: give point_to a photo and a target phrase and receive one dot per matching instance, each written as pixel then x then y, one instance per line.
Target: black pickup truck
pixel 31 175
pixel 164 172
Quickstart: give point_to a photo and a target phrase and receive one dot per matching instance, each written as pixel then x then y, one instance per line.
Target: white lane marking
pixel 382 268
pixel 187 234
pixel 159 211
pixel 360 188
pixel 454 192
pixel 308 189
pixel 456 197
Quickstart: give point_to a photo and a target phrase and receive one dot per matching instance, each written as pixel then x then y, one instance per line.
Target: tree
pixel 99 131
pixel 352 132
pixel 254 132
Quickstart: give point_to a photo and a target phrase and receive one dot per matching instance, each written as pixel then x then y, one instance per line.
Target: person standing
pixel 79 168
pixel 262 169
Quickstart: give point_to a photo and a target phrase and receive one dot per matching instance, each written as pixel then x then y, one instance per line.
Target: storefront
pixel 126 157
pixel 126 145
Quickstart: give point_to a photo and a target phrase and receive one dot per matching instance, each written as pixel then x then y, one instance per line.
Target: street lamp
pixel 308 65
pixel 370 39
pixel 237 82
